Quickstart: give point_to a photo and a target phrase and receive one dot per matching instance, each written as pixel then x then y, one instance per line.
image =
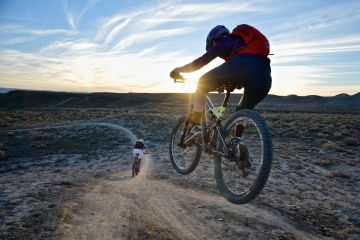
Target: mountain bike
pixel 136 164
pixel 241 148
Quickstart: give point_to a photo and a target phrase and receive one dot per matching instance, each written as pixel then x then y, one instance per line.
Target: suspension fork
pixel 186 126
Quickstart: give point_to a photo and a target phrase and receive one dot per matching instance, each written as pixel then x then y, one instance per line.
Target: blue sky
pixel 131 46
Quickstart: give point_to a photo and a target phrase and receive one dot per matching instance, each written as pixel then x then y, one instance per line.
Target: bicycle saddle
pixel 228 87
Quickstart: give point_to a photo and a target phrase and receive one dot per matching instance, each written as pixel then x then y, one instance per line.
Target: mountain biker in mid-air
pixel 139 148
pixel 245 52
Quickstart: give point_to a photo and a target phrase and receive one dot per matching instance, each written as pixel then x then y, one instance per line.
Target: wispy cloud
pixel 149 36
pixel 152 19
pixel 116 30
pixel 300 51
pixel 74 19
pixel 15 40
pixel 316 23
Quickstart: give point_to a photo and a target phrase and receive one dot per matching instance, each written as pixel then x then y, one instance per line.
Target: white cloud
pixel 122 55
pixel 74 19
pixel 149 36
pixel 116 30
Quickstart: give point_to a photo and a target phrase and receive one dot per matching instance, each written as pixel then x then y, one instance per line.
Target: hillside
pixel 20 99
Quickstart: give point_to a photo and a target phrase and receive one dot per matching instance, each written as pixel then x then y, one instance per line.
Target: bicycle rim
pixel 184 161
pixel 238 184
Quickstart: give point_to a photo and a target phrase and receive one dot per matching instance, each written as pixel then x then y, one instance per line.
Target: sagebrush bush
pixel 2 155
pixel 329 145
pixel 36 135
pixel 350 141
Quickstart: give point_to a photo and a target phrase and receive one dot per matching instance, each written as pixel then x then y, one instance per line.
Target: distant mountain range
pixel 19 99
pixel 5 90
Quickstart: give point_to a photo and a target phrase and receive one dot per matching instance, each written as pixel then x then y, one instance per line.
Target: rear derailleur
pixel 239 153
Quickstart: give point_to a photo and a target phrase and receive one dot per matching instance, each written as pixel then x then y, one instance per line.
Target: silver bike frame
pixel 208 109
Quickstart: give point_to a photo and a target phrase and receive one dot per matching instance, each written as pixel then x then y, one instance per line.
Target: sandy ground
pixel 123 207
pixel 67 175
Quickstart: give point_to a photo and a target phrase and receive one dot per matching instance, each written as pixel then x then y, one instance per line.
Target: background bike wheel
pixel 184 161
pixel 235 187
pixel 133 170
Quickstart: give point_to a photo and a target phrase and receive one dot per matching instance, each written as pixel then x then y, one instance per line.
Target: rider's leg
pixel 256 80
pixel 209 82
pixel 199 102
pixel 253 95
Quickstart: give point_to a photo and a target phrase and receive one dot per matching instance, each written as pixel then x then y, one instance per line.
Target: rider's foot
pixel 194 134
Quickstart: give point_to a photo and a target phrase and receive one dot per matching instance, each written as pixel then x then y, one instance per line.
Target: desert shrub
pixel 323 161
pixel 3 123
pixel 350 141
pixel 36 135
pixel 313 129
pixel 2 155
pixel 320 134
pixel 340 173
pixel 337 134
pixel 9 119
pixel 329 145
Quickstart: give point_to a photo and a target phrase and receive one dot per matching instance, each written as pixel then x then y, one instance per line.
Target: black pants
pixel 252 73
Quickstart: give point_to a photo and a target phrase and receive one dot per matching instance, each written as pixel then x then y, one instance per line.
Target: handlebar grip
pixel 180 80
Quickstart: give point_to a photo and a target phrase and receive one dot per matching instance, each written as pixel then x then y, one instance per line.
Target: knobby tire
pixel 172 144
pixel 264 171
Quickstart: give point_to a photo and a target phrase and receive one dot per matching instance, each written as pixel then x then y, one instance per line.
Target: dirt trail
pixel 146 207
pixel 123 207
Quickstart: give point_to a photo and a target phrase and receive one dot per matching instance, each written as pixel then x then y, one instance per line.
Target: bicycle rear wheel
pixel 241 177
pixel 133 170
pixel 183 160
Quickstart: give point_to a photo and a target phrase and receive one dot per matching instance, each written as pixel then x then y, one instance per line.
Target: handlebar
pixel 221 89
pixel 178 78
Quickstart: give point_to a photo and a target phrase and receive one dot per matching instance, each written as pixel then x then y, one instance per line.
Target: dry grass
pixel 2 154
pixel 67 212
pixel 340 173
pixel 36 135
pixel 323 161
pixel 350 141
pixel 329 145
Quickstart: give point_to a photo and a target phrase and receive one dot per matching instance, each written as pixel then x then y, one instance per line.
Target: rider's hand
pixel 175 74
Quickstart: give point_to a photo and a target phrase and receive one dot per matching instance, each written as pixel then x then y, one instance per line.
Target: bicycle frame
pixel 216 114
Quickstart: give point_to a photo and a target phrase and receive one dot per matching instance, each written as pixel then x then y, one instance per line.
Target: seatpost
pixel 226 98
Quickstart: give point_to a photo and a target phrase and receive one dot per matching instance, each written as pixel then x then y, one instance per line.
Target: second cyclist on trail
pixel 139 150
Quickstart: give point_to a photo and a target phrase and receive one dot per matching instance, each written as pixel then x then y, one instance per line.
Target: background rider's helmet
pixel 216 33
pixel 141 140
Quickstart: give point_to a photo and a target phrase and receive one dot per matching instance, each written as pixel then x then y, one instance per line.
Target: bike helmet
pixel 216 33
pixel 141 140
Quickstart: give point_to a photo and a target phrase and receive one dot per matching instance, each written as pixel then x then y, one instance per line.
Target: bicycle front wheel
pixel 242 176
pixel 183 159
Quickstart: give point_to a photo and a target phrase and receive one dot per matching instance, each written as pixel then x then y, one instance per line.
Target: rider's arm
pixel 221 49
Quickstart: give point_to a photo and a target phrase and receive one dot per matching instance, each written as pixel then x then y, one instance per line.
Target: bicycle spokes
pixel 238 173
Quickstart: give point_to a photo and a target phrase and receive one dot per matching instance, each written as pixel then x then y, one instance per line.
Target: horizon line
pixel 84 92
